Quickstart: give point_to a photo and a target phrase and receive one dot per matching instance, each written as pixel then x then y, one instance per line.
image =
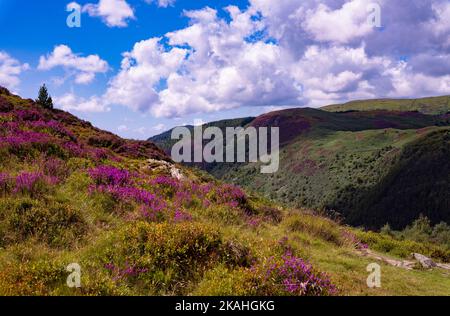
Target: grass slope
pixel 432 105
pixel 70 193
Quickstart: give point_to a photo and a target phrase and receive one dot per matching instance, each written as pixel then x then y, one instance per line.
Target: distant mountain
pixel 432 105
pixel 373 167
pixel 165 141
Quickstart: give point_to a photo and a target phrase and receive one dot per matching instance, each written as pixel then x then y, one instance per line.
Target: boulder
pixel 426 262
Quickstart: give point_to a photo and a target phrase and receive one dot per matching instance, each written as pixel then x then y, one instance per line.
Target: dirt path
pixel 405 264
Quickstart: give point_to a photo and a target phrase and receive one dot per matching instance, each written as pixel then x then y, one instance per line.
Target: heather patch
pixel 290 275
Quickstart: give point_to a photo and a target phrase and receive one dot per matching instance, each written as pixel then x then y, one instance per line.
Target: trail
pixel 405 264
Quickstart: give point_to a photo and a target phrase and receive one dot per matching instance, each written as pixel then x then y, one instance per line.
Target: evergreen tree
pixel 44 99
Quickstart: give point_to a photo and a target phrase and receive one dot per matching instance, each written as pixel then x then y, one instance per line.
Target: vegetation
pixel 433 105
pixel 363 165
pixel 70 193
pixel 44 99
pixel 422 231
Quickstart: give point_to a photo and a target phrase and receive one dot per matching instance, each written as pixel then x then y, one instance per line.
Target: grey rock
pixel 426 262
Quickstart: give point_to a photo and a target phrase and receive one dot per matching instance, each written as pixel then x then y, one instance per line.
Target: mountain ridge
pixel 329 159
pixel 427 105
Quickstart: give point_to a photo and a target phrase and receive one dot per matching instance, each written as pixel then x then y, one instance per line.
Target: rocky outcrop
pixel 165 167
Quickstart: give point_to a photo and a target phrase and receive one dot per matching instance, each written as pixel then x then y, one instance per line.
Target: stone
pixel 426 262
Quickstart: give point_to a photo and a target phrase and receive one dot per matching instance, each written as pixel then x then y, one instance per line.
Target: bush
pixel 318 227
pixel 290 275
pixel 164 256
pixel 54 223
pixel 224 281
pixel 402 248
pixel 32 278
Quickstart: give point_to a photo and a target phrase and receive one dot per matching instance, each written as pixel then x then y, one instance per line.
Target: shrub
pixel 55 167
pixel 225 281
pixel 107 175
pixel 165 255
pixel 54 223
pixel 316 226
pixel 33 183
pixel 236 254
pixel 31 278
pixel 441 234
pixel 290 275
pixel 5 183
pixel 5 106
pixel 402 248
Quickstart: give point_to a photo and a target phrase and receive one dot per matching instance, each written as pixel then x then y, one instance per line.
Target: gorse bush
pixel 54 223
pixel 31 278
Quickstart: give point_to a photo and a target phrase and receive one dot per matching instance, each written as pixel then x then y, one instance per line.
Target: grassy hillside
pixel 139 225
pixel 433 105
pixel 364 165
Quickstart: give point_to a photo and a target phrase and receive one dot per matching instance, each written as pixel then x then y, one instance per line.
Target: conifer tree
pixel 44 99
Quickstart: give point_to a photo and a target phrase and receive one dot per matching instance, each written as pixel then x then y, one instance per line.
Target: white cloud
pixel 122 128
pixel 162 3
pixel 159 128
pixel 70 102
pixel 218 70
pixel 287 53
pixel 340 26
pixel 142 130
pixel 142 69
pixel 84 68
pixel 441 23
pixel 407 83
pixel 115 13
pixel 10 70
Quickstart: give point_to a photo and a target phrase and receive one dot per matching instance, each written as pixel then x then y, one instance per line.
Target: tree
pixel 44 99
pixel 387 230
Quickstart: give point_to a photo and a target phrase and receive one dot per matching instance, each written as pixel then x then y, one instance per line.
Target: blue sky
pixel 199 61
pixel 35 27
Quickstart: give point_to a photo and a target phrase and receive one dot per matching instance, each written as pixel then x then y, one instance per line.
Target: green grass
pixel 433 105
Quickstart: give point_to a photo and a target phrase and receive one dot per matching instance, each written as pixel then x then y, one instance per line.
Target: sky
pixel 140 67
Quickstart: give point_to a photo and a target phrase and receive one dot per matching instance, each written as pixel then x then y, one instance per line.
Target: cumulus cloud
pixel 340 26
pixel 162 3
pixel 115 13
pixel 84 68
pixel 71 102
pixel 210 66
pixel 288 53
pixel 10 70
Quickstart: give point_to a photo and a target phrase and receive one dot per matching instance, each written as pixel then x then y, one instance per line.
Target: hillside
pixel 365 165
pixel 432 105
pixel 137 224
